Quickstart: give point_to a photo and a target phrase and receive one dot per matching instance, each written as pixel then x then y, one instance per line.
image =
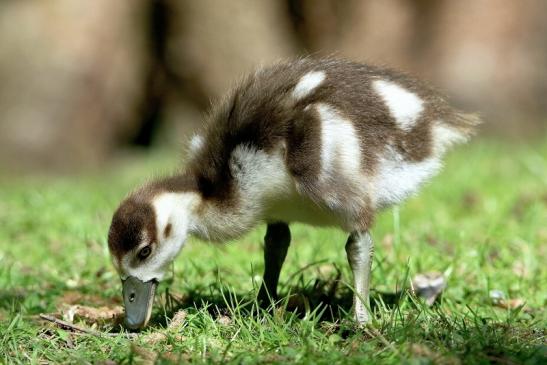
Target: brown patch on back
pixel 415 145
pixel 304 147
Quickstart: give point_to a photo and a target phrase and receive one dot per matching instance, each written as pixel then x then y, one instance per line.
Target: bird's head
pixel 146 234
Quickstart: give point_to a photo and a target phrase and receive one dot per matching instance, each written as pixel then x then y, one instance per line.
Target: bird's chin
pixel 138 299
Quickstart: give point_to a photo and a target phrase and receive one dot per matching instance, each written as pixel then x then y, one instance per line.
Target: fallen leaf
pixel 512 303
pixel 146 356
pixel 92 315
pixel 496 296
pixel 178 319
pixel 224 320
pixel 175 357
pixel 160 336
pixel 422 350
pixel 428 286
pixel 154 338
pixel 499 300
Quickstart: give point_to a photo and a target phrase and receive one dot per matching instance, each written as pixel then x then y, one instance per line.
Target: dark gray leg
pixel 360 251
pixel 276 245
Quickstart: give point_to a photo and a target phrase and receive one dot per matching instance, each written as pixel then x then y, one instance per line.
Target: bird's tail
pixel 465 123
pixel 455 130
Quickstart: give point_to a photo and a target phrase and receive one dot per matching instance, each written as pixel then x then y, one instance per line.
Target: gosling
pixel 324 142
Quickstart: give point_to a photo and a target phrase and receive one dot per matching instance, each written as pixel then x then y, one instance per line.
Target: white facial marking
pixel 170 208
pixel 403 105
pixel 397 179
pixel 308 83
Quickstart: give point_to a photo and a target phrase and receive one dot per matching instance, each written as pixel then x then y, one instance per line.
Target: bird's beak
pixel 138 297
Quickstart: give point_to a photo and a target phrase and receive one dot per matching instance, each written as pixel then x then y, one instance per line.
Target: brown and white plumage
pixel 323 142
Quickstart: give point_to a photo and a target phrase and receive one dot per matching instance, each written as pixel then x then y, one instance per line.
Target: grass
pixel 482 222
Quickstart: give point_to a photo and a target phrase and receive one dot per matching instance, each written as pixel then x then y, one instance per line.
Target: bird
pixel 319 141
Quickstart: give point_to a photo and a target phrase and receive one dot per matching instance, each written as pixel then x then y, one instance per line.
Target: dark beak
pixel 138 297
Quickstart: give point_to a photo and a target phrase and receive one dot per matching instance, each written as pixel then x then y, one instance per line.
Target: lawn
pixel 482 223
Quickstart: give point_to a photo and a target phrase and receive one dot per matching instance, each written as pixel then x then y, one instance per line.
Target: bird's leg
pixel 360 252
pixel 276 245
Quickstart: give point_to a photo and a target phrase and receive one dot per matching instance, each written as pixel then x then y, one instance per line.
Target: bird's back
pixel 353 138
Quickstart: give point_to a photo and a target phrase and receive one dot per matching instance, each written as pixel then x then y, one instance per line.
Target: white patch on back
pixel 308 83
pixel 196 143
pixel 403 105
pixel 339 143
pixel 341 174
pixel 397 178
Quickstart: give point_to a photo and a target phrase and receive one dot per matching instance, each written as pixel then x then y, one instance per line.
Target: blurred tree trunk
pixel 81 78
pixel 72 76
pixel 213 43
pixel 492 54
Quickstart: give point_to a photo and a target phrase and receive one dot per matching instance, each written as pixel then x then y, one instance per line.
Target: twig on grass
pixel 73 327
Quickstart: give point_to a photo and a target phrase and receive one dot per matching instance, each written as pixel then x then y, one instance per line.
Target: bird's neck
pixel 208 218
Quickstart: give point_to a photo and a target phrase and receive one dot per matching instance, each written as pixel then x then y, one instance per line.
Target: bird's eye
pixel 144 252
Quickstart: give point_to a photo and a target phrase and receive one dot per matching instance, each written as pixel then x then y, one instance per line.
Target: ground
pixel 481 222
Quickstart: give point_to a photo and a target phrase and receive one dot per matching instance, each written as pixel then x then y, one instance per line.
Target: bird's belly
pixel 296 208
